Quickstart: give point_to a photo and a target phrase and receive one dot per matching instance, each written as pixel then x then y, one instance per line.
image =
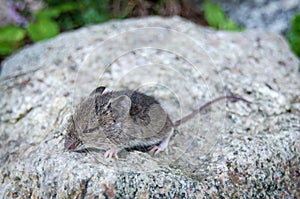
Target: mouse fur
pixel 117 120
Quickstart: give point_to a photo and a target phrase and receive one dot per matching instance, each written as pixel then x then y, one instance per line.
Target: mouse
pixel 112 121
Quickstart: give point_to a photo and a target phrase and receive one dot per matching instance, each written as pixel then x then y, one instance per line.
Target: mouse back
pixel 125 119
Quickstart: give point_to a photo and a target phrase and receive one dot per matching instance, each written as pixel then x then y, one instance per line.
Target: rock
pixel 231 150
pixel 271 15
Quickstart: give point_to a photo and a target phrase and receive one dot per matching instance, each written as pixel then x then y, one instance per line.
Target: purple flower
pixel 12 9
pixel 20 5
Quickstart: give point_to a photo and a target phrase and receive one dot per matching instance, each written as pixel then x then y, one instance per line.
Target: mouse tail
pixel 195 112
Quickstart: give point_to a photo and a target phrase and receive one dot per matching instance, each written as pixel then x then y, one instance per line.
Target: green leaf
pixel 6 48
pixel 68 7
pixel 47 13
pixel 216 17
pixel 294 40
pixel 44 28
pixel 54 12
pixel 11 34
pixel 293 35
pixel 296 23
pixel 230 25
pixel 93 16
pixel 213 14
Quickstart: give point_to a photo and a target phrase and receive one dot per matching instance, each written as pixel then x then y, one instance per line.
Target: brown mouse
pixel 118 120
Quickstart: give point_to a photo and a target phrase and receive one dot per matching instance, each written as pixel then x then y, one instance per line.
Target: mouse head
pixel 95 118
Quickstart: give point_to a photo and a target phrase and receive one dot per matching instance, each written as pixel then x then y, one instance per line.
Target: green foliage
pixel 59 15
pixel 81 12
pixel 293 35
pixel 62 15
pixel 47 13
pixel 43 28
pixel 10 38
pixel 216 17
pixel 96 12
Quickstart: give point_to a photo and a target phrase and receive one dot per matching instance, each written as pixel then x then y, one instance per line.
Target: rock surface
pixel 231 150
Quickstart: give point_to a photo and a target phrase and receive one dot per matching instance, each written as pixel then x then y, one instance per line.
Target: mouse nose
pixel 71 144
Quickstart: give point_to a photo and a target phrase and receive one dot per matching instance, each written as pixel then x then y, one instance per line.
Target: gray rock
pixel 271 15
pixel 231 150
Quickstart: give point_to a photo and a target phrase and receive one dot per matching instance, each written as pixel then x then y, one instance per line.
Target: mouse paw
pixel 111 153
pixel 156 149
pixel 163 145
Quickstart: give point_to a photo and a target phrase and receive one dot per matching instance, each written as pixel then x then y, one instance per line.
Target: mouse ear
pixel 98 90
pixel 120 106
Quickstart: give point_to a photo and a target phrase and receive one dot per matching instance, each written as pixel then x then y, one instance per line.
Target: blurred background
pixel 24 22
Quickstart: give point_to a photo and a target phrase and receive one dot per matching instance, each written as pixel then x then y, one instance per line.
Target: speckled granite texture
pixel 231 150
